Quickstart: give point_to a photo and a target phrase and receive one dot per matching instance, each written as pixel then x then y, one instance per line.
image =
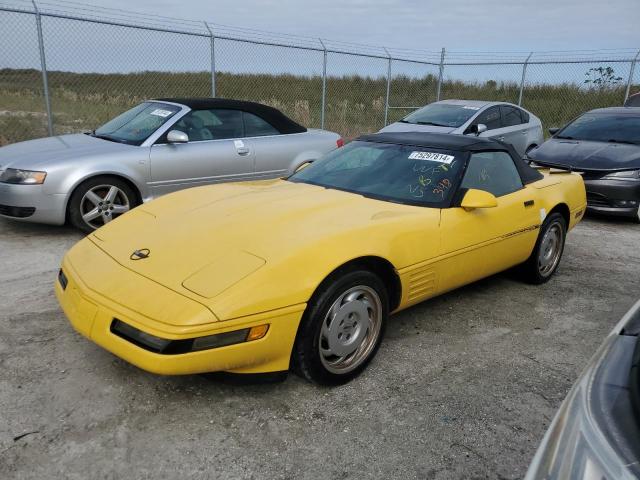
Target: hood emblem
pixel 140 254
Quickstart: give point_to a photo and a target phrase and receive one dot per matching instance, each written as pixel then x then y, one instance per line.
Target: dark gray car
pixel 596 433
pixel 155 148
pixel 603 144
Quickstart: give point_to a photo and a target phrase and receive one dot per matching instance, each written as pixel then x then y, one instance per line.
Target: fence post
pixel 386 99
pixel 440 75
pixel 213 59
pixel 631 71
pixel 524 72
pixel 324 83
pixel 43 67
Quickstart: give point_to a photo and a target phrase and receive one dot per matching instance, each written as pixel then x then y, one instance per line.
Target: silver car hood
pixel 410 127
pixel 44 152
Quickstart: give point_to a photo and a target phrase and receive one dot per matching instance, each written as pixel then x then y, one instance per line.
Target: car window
pixel 212 124
pixel 399 173
pixel 255 126
pixel 511 116
pixel 441 115
pixel 633 100
pixel 603 127
pixel 136 125
pixel 490 117
pixel 493 172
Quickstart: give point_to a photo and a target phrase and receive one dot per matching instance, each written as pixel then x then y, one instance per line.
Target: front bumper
pixel 31 204
pixel 613 197
pixel 92 315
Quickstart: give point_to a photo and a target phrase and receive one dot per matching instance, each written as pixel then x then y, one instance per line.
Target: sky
pixel 461 26
pixel 467 25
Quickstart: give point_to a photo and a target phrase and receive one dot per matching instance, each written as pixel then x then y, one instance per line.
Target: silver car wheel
pixel 103 203
pixel 350 330
pixel 550 249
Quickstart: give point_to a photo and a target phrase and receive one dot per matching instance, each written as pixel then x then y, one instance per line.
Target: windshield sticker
pixel 158 112
pixel 469 107
pixel 432 156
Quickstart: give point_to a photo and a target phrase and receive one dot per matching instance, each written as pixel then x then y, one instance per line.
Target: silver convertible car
pixel 498 120
pixel 156 147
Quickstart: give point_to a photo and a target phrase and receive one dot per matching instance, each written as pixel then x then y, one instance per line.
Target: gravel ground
pixel 464 385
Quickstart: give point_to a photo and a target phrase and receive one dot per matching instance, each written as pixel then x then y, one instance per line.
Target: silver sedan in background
pixel 155 148
pixel 499 120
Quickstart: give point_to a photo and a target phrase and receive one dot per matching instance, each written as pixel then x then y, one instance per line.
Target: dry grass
pixel 354 104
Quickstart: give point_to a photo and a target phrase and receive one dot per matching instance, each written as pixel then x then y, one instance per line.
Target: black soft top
pixel 269 114
pixel 464 143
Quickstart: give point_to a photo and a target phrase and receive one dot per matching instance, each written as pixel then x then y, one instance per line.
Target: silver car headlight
pixel 625 175
pixel 22 177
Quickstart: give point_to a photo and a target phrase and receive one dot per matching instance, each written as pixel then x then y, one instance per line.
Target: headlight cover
pixel 22 177
pixel 624 175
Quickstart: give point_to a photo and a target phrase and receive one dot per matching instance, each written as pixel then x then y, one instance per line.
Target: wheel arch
pixel 126 179
pixel 562 209
pixel 382 267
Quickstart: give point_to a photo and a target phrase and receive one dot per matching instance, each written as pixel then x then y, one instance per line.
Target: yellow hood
pixel 271 234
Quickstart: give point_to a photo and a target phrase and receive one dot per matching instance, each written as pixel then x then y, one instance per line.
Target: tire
pixel 332 349
pixel 546 255
pixel 637 217
pixel 98 201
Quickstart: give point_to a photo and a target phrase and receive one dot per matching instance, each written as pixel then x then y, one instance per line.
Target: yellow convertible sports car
pixel 302 273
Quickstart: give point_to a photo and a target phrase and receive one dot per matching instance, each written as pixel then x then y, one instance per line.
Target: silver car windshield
pixel 408 174
pixel 136 125
pixel 441 115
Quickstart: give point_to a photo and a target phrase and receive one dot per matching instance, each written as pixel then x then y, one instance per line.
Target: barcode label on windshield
pixel 432 156
pixel 158 112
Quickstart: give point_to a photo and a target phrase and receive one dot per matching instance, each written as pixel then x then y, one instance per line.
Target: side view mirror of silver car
pixel 176 136
pixel 476 129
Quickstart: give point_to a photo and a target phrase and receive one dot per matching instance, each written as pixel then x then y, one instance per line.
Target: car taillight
pixel 340 142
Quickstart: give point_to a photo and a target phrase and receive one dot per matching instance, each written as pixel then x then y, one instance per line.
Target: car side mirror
pixel 176 136
pixel 553 131
pixel 478 199
pixel 477 129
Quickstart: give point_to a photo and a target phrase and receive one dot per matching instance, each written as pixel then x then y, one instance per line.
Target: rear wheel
pixel 342 328
pixel 546 255
pixel 99 200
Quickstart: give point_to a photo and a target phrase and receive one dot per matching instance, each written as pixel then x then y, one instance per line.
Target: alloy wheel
pixel 350 329
pixel 550 249
pixel 103 203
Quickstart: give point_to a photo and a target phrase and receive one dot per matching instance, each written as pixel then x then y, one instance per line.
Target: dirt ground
pixel 464 385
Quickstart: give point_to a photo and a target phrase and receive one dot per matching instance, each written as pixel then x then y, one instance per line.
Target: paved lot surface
pixel 464 386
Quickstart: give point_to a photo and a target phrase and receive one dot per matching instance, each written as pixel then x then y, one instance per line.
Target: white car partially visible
pixel 498 120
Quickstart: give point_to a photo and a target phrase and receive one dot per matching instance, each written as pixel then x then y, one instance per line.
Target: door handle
pixel 243 151
pixel 529 203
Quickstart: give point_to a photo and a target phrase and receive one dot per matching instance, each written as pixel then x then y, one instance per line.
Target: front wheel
pixel 342 328
pixel 546 255
pixel 99 200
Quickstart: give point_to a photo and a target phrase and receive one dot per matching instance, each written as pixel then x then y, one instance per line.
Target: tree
pixel 602 78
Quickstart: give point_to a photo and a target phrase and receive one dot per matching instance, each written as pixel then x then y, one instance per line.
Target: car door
pixel 515 129
pixel 216 152
pixel 273 151
pixel 483 241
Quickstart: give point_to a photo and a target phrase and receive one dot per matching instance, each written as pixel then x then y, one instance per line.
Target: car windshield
pixel 136 125
pixel 442 115
pixel 398 173
pixel 603 127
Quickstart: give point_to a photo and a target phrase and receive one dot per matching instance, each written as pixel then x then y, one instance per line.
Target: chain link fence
pixel 67 67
